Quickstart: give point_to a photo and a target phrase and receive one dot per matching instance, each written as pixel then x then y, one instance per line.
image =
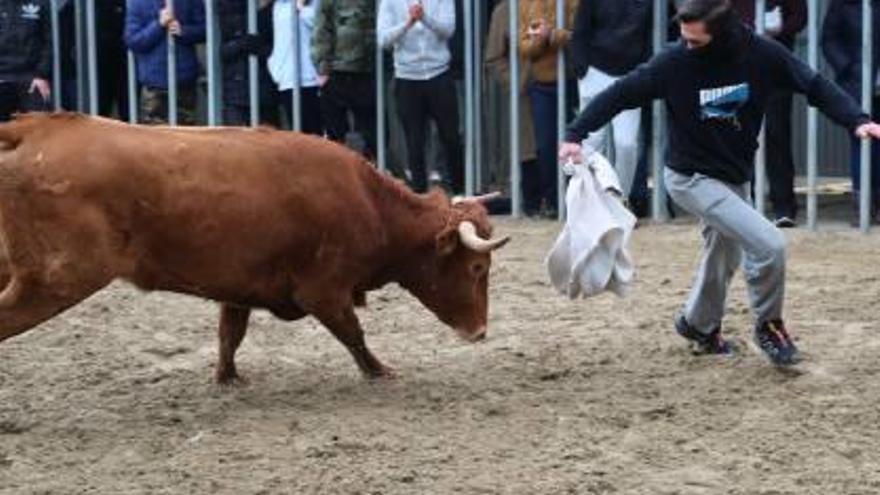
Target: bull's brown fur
pixel 249 218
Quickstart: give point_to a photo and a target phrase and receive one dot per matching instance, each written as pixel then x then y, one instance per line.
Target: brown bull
pixel 249 218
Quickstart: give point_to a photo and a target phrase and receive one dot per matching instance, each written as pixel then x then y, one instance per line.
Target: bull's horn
pixel 467 231
pixel 483 198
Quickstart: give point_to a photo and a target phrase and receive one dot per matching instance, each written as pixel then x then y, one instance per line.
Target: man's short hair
pixel 717 14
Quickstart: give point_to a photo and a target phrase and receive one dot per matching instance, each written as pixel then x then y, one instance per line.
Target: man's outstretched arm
pixel 635 90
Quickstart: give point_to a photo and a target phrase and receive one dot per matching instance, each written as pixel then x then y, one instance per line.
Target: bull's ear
pixel 447 241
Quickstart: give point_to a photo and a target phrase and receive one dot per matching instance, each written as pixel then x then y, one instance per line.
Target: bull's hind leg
pixel 233 325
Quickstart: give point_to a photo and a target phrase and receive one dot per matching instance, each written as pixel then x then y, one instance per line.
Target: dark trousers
pixel 15 97
pixel 540 181
pixel 154 105
pixel 310 109
pixel 418 101
pixel 235 114
pixel 780 160
pixel 354 92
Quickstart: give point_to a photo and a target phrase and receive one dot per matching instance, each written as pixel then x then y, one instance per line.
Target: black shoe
pixel 785 222
pixel 701 343
pixel 774 341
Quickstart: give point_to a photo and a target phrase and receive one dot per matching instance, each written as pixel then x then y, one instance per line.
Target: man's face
pixel 695 34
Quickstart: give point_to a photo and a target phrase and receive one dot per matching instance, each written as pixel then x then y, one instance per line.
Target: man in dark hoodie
pixel 611 38
pixel 716 85
pixel 25 56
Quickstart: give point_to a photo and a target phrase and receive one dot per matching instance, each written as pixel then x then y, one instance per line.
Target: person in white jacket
pixel 419 32
pixel 281 62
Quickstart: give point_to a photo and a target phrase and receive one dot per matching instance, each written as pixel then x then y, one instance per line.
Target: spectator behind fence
pixel 281 62
pixel 498 59
pixel 147 23
pixel 783 20
pixel 842 45
pixel 235 52
pixel 343 49
pixel 111 53
pixel 25 56
pixel 419 31
pixel 611 38
pixel 540 43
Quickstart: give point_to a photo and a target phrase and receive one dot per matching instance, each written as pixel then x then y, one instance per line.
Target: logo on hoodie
pixel 30 11
pixel 724 103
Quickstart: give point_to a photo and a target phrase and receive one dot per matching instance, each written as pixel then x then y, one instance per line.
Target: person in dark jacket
pixel 716 85
pixel 783 20
pixel 147 24
pixel 235 52
pixel 611 38
pixel 111 52
pixel 25 56
pixel 842 45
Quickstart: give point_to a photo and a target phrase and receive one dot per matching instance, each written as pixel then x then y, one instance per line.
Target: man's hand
pixel 539 29
pixel 174 28
pixel 166 17
pixel 42 86
pixel 322 79
pixel 868 131
pixel 416 13
pixel 571 151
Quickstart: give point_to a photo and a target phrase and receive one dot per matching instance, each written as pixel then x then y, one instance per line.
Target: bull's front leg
pixel 345 326
pixel 233 325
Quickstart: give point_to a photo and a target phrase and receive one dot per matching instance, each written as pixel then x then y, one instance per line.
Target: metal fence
pixel 87 66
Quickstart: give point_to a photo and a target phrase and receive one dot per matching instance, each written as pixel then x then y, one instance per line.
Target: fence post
pixel 132 88
pixel 867 95
pixel 658 133
pixel 295 90
pixel 478 96
pixel 381 158
pixel 254 64
pixel 212 62
pixel 92 55
pixel 812 119
pixel 56 55
pixel 561 107
pixel 172 70
pixel 760 184
pixel 515 172
pixel 79 35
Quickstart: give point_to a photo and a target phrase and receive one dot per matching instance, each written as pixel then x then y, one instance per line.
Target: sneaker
pixel 785 222
pixel 701 343
pixel 774 341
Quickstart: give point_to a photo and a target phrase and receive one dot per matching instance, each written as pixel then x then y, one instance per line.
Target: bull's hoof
pixel 383 373
pixel 230 379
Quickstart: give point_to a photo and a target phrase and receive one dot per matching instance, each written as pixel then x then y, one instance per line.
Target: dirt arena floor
pixel 586 397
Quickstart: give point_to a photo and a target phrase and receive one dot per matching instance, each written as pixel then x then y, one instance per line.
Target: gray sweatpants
pixel 732 230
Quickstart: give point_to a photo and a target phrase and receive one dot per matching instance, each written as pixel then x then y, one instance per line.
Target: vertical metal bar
pixel 515 172
pixel 380 103
pixel 172 71
pixel 560 109
pixel 132 89
pixel 78 29
pixel 92 55
pixel 56 55
pixel 296 104
pixel 812 120
pixel 213 66
pixel 254 64
pixel 867 94
pixel 760 184
pixel 658 137
pixel 468 100
pixel 478 96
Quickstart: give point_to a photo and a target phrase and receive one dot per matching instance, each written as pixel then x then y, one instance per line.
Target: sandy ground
pixel 596 396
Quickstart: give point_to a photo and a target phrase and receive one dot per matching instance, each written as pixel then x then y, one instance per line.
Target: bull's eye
pixel 478 269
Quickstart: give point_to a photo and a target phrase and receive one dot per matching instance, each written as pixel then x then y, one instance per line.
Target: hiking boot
pixel 774 341
pixel 701 343
pixel 785 222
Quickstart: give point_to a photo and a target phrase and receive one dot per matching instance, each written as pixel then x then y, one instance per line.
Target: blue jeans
pixel 540 182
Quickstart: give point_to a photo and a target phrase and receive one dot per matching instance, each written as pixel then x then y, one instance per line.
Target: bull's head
pixel 453 279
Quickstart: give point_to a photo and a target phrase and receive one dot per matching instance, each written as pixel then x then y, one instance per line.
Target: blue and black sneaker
pixel 774 341
pixel 702 343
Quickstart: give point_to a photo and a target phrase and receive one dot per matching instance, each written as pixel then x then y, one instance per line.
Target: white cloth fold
pixel 590 255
